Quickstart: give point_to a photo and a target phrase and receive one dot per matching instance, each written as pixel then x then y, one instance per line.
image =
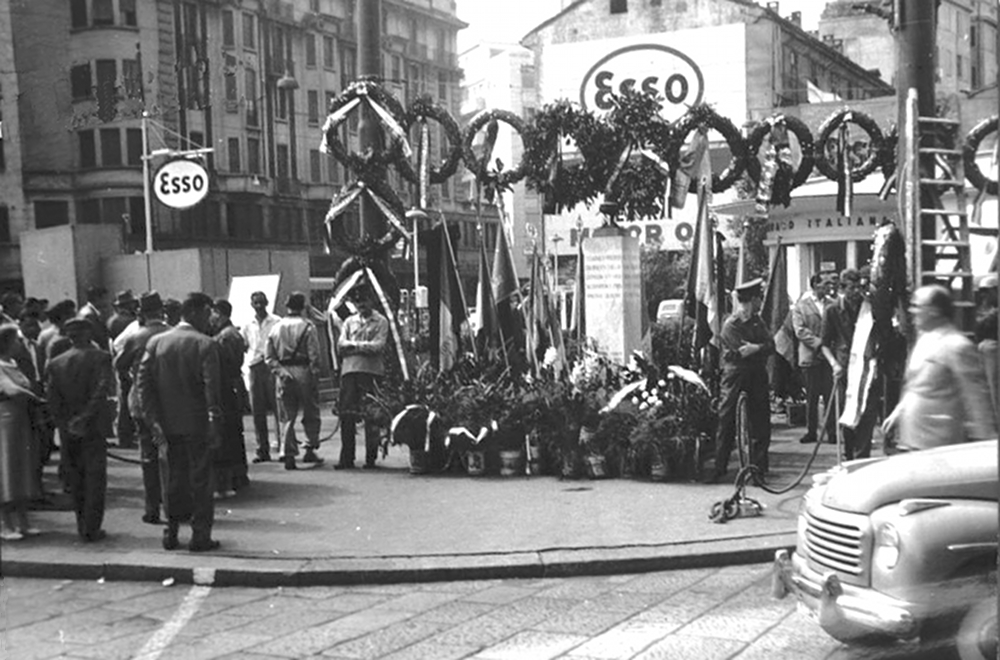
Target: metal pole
pixel 915 69
pixel 369 13
pixel 147 202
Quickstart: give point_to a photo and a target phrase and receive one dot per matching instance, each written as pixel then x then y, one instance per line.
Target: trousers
pixel 186 477
pixel 150 470
pixel 354 388
pixel 87 477
pixel 261 403
pixel 754 382
pixel 298 395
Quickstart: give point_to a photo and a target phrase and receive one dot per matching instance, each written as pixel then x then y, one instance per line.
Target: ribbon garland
pixel 424 164
pixel 387 210
pixel 334 119
pixel 665 168
pixel 428 423
pixel 344 199
pixel 626 154
pixel 348 195
pixel 392 321
pixel 388 120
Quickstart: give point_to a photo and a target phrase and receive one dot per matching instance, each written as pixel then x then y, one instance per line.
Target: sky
pixel 509 20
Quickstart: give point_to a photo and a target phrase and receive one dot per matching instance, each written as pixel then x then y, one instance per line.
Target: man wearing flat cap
pixel 77 385
pixel 126 364
pixel 361 342
pixel 292 353
pixel 744 347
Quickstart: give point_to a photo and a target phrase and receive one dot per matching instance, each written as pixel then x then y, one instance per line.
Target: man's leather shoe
pixel 152 519
pixel 311 457
pixel 290 463
pixel 92 537
pixel 262 458
pixel 807 439
pixel 370 466
pixel 170 541
pixel 344 466
pixel 204 546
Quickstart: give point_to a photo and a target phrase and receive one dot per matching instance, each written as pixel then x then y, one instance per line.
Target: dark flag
pixel 445 299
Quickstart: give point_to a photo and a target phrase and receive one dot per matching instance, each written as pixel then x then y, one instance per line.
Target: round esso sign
pixel 181 184
pixel 658 70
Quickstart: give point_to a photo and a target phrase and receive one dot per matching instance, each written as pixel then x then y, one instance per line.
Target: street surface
pixel 708 614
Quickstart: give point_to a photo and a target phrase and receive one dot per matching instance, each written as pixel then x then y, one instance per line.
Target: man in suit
pixel 945 395
pixel 231 460
pixel 125 306
pixel 807 320
pixel 94 312
pixel 292 353
pixel 126 363
pixel 178 385
pixel 77 386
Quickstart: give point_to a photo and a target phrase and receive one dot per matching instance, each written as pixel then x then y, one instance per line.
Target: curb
pixel 558 563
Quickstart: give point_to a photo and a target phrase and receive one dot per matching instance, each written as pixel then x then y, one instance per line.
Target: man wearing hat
pixel 292 353
pixel 178 383
pixel 77 385
pixel 125 306
pixel 744 348
pixel 361 342
pixel 94 311
pixel 231 459
pixel 126 363
pixel 807 320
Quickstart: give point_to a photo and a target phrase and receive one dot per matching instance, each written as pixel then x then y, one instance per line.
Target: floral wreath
pixel 637 128
pixel 567 185
pixel 704 115
pixel 389 111
pixel 875 140
pixel 420 110
pixel 480 167
pixel 388 203
pixel 972 140
pixel 801 132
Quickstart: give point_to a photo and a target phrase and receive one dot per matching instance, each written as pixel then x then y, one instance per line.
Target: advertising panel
pixel 684 67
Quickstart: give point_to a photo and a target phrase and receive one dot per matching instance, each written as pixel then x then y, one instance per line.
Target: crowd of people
pixel 949 386
pixel 165 377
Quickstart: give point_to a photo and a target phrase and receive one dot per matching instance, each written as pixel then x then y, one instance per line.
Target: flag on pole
pixel 485 322
pixel 447 310
pixel 701 295
pixel 577 323
pixel 505 289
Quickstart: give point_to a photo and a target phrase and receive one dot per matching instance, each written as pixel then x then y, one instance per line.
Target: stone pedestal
pixel 616 315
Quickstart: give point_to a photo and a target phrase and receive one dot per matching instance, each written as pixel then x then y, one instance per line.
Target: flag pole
pixel 458 279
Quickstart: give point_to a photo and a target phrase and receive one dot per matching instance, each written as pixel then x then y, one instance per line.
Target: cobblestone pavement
pixel 705 614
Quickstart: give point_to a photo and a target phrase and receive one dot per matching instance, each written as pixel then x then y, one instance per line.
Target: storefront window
pixel 830 256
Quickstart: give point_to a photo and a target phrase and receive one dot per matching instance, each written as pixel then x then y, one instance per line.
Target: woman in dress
pixel 19 450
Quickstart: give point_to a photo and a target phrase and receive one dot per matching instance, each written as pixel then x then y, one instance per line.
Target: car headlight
pixel 887 546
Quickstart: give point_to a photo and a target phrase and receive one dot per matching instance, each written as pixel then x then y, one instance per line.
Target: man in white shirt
pixel 262 400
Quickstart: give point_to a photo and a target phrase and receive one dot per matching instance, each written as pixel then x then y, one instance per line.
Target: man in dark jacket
pixel 126 364
pixel 178 385
pixel 78 382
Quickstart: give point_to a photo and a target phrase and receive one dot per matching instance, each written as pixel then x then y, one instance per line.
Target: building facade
pixel 744 59
pixel 250 79
pixel 965 50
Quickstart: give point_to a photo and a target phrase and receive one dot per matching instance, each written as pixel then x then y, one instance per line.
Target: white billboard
pixel 684 67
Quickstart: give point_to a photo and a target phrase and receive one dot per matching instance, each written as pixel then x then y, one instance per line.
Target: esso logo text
pixel 180 184
pixel 658 70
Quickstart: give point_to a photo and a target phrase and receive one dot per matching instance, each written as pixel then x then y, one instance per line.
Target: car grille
pixel 834 544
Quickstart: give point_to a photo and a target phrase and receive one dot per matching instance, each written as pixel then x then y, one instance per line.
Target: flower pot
pixel 534 459
pixel 570 465
pixel 510 462
pixel 596 466
pixel 418 461
pixel 659 469
pixel 475 462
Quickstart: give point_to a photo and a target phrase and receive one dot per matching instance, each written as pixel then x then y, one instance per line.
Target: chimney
pixel 796 18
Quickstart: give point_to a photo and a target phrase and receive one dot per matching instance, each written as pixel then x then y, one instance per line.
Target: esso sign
pixel 658 70
pixel 181 184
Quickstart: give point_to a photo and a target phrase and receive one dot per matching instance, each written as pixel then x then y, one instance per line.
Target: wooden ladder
pixel 943 256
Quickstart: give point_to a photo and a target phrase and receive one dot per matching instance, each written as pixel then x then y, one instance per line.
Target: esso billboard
pixel 181 183
pixel 652 68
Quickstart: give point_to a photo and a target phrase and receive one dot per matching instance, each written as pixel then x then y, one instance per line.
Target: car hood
pixel 963 471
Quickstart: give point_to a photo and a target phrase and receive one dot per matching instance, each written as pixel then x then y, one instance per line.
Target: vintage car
pixel 901 547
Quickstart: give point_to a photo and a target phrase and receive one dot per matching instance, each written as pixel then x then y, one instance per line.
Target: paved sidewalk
pixel 321 526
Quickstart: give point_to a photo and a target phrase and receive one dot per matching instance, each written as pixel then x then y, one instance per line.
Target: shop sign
pixel 181 183
pixel 655 69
